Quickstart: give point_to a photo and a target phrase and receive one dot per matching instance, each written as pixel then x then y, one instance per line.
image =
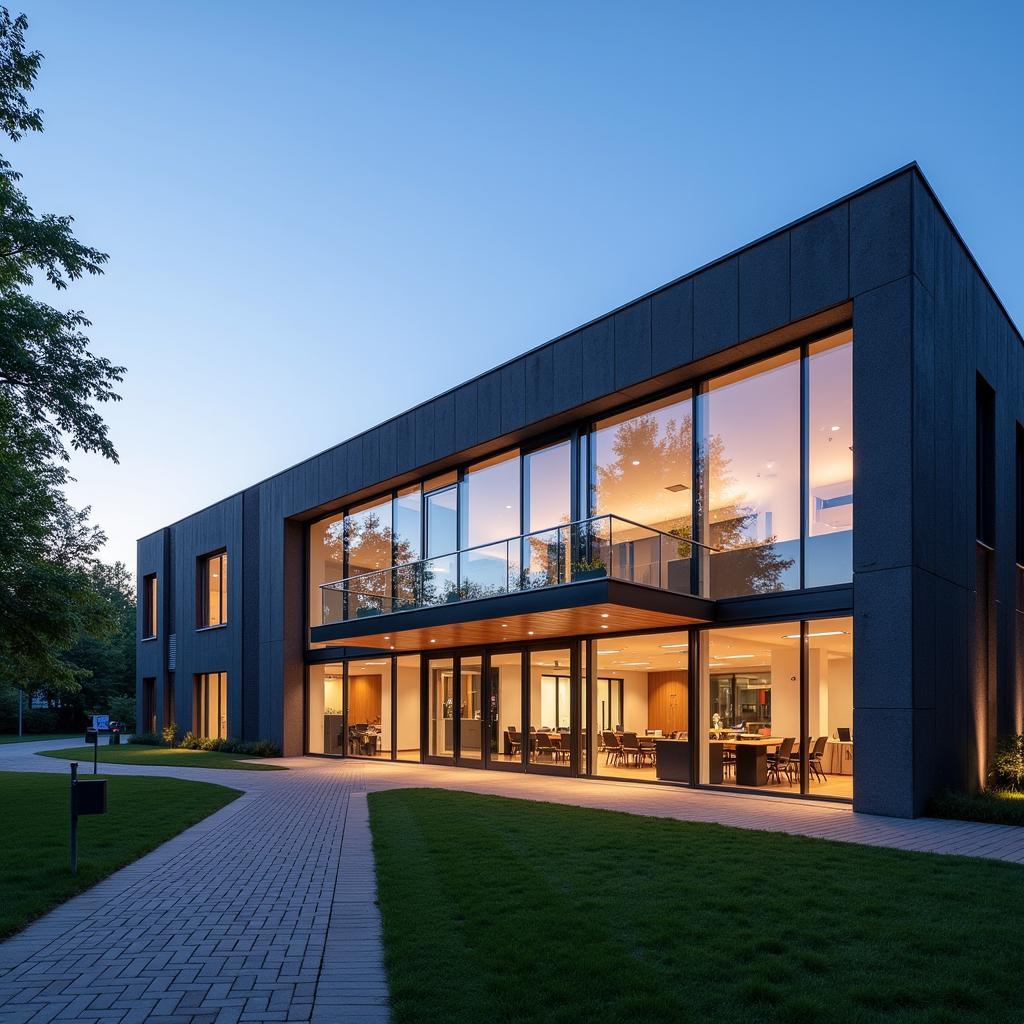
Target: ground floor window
pixel 765 707
pixel 211 705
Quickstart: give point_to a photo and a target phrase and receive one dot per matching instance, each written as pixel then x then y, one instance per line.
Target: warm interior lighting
pixel 830 632
pixel 736 657
pixel 614 650
pixel 672 647
pixel 604 615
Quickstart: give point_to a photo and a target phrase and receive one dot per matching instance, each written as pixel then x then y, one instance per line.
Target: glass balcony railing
pixel 590 549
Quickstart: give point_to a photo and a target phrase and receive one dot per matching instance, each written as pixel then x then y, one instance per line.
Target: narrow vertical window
pixel 149 606
pixel 212 578
pixel 985 463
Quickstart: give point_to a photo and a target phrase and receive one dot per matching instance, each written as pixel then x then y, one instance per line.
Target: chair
pixel 515 741
pixel 545 746
pixel 814 760
pixel 781 761
pixel 629 744
pixel 610 745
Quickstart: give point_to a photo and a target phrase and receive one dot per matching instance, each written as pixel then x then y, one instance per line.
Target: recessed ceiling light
pixel 830 632
pixel 433 641
pixel 504 625
pixel 636 462
pixel 632 663
pixel 387 638
pixel 734 657
pixel 508 506
pixel 604 615
pixel 529 632
pixel 835 428
pixel 614 650
pixel 604 627
pixel 672 647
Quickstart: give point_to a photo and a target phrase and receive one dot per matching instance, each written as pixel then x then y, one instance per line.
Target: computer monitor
pixel 843 734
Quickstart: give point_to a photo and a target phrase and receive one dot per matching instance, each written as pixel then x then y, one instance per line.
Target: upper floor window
pixel 149 606
pixel 213 590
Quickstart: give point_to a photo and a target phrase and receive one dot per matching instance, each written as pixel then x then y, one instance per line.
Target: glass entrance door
pixel 550 711
pixel 440 708
pixel 471 711
pixel 505 711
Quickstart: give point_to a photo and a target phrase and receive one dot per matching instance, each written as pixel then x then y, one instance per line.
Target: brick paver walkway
pixel 266 911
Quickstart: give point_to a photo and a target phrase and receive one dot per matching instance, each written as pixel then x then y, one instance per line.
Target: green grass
pixel 36 737
pixel 137 753
pixel 997 807
pixel 499 910
pixel 34 809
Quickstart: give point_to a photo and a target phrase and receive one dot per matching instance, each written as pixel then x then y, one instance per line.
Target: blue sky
pixel 361 205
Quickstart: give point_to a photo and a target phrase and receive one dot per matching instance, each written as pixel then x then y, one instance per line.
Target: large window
pixel 753 679
pixel 369 707
pixel 829 548
pixel 490 501
pixel 750 467
pixel 326 565
pixel 211 705
pixel 149 606
pixel 213 590
pixel 326 706
pixel 368 550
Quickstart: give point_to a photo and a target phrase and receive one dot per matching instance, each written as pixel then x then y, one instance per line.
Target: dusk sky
pixel 363 205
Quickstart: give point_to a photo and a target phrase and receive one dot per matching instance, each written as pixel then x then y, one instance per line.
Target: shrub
pixel 992 806
pixel 170 734
pixel 1008 765
pixel 149 739
pixel 263 748
pixel 190 741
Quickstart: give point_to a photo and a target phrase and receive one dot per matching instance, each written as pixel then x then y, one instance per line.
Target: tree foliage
pixel 50 386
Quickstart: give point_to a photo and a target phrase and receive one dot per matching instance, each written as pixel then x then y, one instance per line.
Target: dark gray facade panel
pixel 467 433
pixel 883 428
pixel 406 439
pixel 715 308
pixel 820 262
pixel 598 359
pixel 763 276
pixel 424 426
pixel 488 406
pixel 540 384
pixel 513 396
pixel 250 613
pixel 884 665
pixel 567 366
pixel 371 456
pixel 444 426
pixel 356 476
pixel 388 449
pixel 632 327
pixel 884 769
pixel 880 234
pixel 672 327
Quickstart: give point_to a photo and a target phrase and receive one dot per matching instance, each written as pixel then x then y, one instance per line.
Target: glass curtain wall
pixel 829 547
pixel 369 707
pixel 471 724
pixel 640 695
pixel 489 514
pixel 325 705
pixel 750 477
pixel 549 736
pixel 641 469
pixel 547 505
pixel 751 683
pixel 368 545
pixel 506 710
pixel 441 707
pixel 326 565
pixel 407 697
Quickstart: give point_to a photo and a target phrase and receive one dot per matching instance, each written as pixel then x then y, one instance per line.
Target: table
pixel 751 758
pixel 839 757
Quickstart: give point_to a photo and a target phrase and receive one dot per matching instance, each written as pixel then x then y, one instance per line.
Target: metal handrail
pixel 339 584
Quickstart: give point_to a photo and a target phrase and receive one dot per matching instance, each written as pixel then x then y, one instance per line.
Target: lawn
pixel 36 737
pixel 137 753
pixel 34 809
pixel 503 910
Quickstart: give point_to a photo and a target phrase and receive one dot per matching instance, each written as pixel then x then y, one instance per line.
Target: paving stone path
pixel 266 911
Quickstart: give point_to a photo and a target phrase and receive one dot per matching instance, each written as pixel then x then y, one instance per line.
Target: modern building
pixel 760 528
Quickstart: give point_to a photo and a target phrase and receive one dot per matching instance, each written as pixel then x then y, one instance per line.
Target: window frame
pixel 203 611
pixel 150 606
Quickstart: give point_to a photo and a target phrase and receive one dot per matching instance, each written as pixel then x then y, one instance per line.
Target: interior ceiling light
pixel 433 641
pixel 676 488
pixel 604 615
pixel 672 647
pixel 829 632
pixel 614 650
pixel 735 657
pixel 628 663
pixel 835 429
pixel 604 627
pixel 529 632
pixel 636 462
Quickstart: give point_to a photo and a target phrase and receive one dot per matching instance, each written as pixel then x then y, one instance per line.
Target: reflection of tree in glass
pixel 370 544
pixel 664 450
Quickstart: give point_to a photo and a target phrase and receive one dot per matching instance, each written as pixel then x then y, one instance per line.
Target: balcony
pixel 556 582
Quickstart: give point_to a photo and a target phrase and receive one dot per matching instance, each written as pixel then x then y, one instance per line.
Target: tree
pixel 50 385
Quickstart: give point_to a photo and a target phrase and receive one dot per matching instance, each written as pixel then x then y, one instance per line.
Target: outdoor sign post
pixel 87 797
pixel 92 736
